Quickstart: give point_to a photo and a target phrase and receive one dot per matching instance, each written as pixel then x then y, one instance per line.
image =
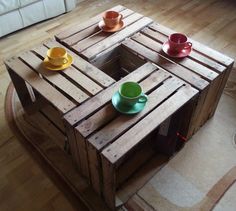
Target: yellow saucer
pixel 49 66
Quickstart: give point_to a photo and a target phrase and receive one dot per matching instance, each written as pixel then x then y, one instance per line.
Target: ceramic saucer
pixel 104 28
pixel 181 54
pixel 124 109
pixel 49 66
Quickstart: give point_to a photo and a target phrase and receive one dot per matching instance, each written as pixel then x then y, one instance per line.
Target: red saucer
pixel 181 54
pixel 104 28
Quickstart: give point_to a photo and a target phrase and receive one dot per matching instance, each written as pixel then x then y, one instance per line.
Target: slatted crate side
pixel 208 74
pixel 76 28
pixel 112 68
pixel 91 106
pixel 194 55
pixel 57 80
pixel 45 89
pixel 121 64
pixel 117 62
pixel 212 58
pixel 95 35
pixel 72 75
pixel 22 90
pixel 147 41
pixel 91 52
pixel 95 39
pixel 106 56
pixel 202 49
pixel 194 79
pixel 84 67
pixel 128 60
pixel 105 115
pixel 214 75
pixel 114 154
pixel 178 70
pixel 119 125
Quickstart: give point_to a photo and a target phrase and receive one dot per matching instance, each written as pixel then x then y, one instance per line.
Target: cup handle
pixel 188 45
pixel 143 98
pixel 121 17
pixel 65 61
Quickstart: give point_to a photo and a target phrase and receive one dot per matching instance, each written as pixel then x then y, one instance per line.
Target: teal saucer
pixel 124 109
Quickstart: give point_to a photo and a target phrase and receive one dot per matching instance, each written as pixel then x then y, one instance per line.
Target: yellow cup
pixel 57 56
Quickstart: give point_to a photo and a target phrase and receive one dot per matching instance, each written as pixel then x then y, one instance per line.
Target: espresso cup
pixel 131 93
pixel 57 56
pixel 178 42
pixel 112 18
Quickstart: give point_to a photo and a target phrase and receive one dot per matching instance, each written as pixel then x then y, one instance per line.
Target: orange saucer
pixel 104 28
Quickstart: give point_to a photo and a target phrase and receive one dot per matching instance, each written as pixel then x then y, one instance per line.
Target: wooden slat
pixel 79 27
pixel 91 52
pixel 73 148
pixel 192 65
pixel 44 124
pixel 174 68
pixel 85 67
pixel 94 34
pixel 54 116
pixel 56 79
pixel 94 169
pixel 102 98
pixel 118 149
pixel 193 55
pixel 73 74
pixel 25 96
pixel 100 118
pixel 82 154
pixel 45 89
pixel 109 188
pixel 208 52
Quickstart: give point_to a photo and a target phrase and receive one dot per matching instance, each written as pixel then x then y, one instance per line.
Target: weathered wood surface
pixel 54 93
pixel 88 40
pixel 201 68
pixel 98 126
pixel 115 153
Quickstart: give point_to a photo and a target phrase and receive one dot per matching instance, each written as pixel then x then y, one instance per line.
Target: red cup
pixel 112 18
pixel 178 42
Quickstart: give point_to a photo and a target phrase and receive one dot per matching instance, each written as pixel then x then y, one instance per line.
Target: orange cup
pixel 112 18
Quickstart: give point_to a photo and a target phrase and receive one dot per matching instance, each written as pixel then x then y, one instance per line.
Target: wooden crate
pixel 109 144
pixel 48 95
pixel 205 69
pixel 89 41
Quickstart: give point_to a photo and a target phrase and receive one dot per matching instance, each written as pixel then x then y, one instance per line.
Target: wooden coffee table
pixel 74 106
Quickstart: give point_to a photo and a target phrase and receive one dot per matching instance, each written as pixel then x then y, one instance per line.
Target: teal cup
pixel 131 93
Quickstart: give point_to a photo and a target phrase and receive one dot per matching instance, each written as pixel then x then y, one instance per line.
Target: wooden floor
pixel 23 185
